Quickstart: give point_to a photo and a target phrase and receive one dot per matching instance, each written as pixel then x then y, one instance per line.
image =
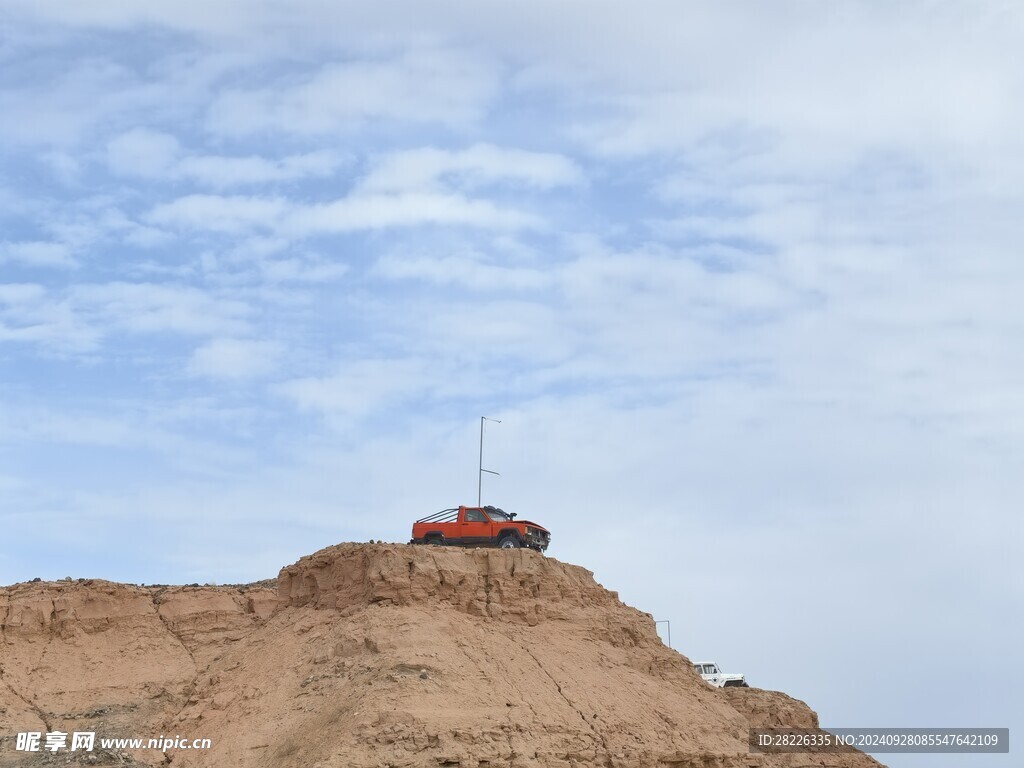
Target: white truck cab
pixel 714 676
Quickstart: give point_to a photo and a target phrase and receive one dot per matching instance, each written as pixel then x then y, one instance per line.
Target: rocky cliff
pixel 374 655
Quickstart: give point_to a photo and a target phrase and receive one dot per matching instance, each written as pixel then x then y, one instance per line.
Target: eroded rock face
pixel 516 586
pixel 372 655
pixel 114 658
pixel 770 709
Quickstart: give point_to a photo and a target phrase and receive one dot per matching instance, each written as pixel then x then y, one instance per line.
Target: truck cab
pixel 479 527
pixel 712 675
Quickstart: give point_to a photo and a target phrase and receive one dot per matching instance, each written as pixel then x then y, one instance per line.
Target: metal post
pixel 669 623
pixel 480 474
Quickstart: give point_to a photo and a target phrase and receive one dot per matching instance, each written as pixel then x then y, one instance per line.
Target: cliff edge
pixel 370 655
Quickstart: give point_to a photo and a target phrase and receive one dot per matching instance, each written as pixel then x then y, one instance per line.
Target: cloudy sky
pixel 741 280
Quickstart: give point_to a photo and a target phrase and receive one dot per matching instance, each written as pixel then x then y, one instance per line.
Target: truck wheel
pixel 509 542
pixel 434 540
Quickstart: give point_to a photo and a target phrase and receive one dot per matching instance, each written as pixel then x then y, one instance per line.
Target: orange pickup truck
pixel 479 527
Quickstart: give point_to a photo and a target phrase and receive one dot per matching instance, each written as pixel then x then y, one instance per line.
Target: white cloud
pixel 362 212
pixel 72 105
pixel 242 214
pixel 121 14
pixel 218 213
pixel 35 253
pixel 468 271
pixel 480 164
pixel 642 317
pixel 20 293
pixel 149 154
pixel 29 314
pixel 225 358
pixel 813 89
pixel 272 260
pixel 57 111
pixel 158 308
pixel 79 319
pixel 66 167
pixel 221 172
pixel 305 269
pixel 422 86
pixel 358 388
pixel 144 153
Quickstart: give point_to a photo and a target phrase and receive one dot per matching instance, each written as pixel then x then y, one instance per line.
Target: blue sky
pixel 739 281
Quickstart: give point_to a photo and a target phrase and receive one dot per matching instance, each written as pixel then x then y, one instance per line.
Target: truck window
pixel 475 516
pixel 498 515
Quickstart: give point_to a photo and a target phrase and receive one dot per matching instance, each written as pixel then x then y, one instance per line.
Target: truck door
pixel 476 528
pixel 712 669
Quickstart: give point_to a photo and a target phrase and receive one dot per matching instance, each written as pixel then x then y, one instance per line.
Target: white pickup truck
pixel 716 677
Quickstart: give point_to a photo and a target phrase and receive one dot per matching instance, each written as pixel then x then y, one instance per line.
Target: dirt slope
pixel 375 655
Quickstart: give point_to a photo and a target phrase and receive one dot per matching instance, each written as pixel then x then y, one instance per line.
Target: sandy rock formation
pixel 92 655
pixel 377 655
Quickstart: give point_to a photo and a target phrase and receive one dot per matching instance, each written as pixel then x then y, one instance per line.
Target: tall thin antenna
pixel 669 626
pixel 480 474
